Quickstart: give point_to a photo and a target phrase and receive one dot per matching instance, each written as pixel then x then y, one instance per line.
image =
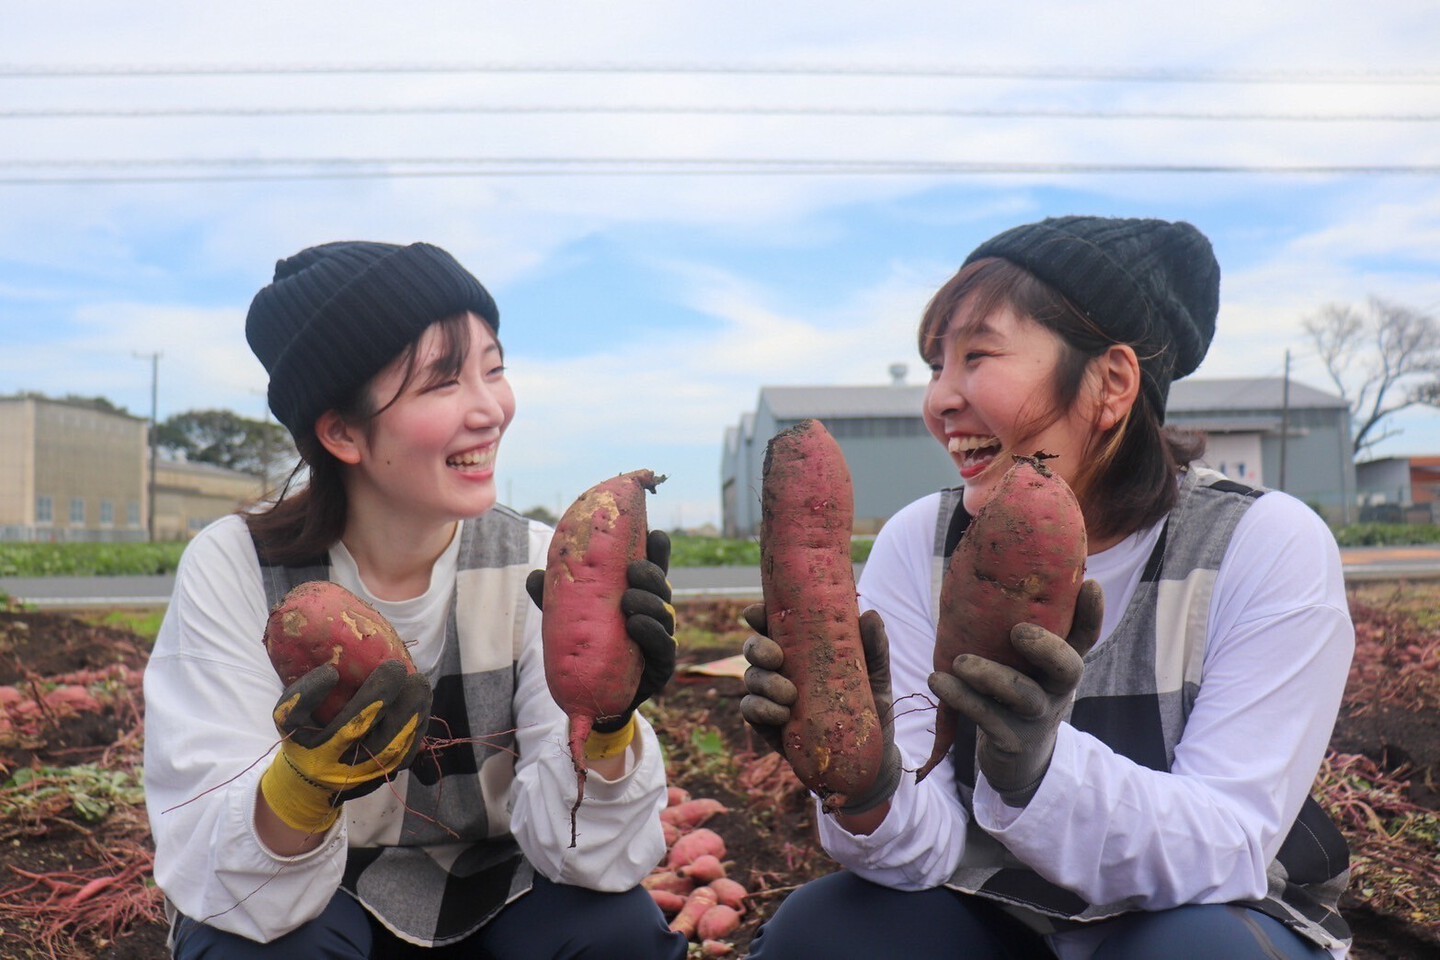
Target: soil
pixel 1389 731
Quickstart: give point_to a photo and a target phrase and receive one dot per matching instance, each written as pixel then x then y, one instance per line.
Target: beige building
pixel 72 472
pixel 190 495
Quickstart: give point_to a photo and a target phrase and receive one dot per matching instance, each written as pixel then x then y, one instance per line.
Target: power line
pixel 970 72
pixel 90 113
pixel 348 169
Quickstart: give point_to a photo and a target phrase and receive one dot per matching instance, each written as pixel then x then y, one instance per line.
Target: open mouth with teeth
pixel 471 460
pixel 973 453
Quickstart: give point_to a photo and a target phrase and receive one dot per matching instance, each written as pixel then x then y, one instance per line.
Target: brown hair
pixel 1128 479
pixel 302 522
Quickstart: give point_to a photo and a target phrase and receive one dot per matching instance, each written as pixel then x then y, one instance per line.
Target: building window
pixel 107 513
pixel 44 510
pixel 77 511
pixel 132 513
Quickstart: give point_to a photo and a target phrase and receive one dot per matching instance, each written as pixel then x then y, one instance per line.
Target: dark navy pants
pixel 551 922
pixel 841 917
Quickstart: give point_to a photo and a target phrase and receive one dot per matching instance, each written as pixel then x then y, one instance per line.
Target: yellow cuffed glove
pixel 374 736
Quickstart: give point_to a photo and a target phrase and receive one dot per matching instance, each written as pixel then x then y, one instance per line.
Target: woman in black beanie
pixel 345 839
pixel 1144 791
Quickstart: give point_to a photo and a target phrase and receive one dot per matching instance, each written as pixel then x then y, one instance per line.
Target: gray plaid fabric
pixel 451 864
pixel 1136 695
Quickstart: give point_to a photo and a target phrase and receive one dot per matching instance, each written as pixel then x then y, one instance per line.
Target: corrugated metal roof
pixel 905 400
pixel 1223 425
pixel 1246 393
pixel 793 403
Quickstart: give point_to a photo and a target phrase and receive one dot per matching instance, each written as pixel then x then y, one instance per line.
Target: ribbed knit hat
pixel 337 313
pixel 1152 284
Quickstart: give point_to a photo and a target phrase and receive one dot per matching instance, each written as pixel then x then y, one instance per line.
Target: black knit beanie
pixel 1149 283
pixel 337 313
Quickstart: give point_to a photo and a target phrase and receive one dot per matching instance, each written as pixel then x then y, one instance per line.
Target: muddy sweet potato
pixel 1022 560
pixel 321 622
pixel 592 666
pixel 834 740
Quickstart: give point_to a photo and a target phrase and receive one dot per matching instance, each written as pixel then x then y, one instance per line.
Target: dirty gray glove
pixel 766 705
pixel 1015 716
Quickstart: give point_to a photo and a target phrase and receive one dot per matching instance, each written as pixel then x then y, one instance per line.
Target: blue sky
pixel 676 204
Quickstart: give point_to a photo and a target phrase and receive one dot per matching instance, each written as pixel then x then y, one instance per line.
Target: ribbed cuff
pixel 298 801
pixel 603 746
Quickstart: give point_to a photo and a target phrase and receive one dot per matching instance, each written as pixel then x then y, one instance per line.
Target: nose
pixel 942 395
pixel 484 408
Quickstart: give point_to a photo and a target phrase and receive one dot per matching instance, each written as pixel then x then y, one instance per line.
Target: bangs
pixel 972 295
pixel 454 344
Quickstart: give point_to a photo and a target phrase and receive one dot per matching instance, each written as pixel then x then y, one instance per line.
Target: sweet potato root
pixel 321 622
pixel 1022 560
pixel 592 667
pixel 834 740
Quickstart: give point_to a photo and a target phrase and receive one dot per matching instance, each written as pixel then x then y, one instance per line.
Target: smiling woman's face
pixel 992 394
pixel 431 452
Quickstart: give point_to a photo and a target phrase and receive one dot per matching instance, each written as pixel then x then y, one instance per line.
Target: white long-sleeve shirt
pixel 209 736
pixel 1277 656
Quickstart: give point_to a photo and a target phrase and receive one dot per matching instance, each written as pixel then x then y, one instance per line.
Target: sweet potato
pixel 730 892
pixel 321 622
pixel 695 844
pixel 687 921
pixel 591 665
pixel 834 740
pixel 717 923
pixel 689 814
pixel 703 869
pixel 669 903
pixel 669 881
pixel 1022 560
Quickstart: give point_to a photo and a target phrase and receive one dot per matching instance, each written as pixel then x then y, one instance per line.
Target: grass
pixel 144 559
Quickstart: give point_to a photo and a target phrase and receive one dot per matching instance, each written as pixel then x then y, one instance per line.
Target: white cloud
pixel 118 269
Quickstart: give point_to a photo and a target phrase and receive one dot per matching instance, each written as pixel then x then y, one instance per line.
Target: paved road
pixel 48 592
pixel 1361 564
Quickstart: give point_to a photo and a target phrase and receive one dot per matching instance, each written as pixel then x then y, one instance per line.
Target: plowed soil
pixel 74 874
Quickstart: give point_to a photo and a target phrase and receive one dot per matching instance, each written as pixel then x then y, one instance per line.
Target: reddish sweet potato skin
pixel 591 666
pixel 1022 560
pixel 834 740
pixel 321 622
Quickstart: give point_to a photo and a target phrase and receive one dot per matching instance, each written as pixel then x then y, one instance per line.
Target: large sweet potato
pixel 834 740
pixel 1022 560
pixel 321 622
pixel 592 666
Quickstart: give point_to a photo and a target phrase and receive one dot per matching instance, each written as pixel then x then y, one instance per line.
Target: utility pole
pixel 154 431
pixel 1284 420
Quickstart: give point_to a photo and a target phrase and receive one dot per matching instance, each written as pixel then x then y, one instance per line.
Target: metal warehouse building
pixel 1260 431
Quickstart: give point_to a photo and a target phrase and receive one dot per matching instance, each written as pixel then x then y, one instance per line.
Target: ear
pixel 1118 381
pixel 338 437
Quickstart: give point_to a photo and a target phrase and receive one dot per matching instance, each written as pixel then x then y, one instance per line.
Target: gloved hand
pixel 373 737
pixel 766 705
pixel 650 623
pixel 1015 716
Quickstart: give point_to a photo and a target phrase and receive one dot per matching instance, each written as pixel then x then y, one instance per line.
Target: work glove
pixel 373 737
pixel 766 705
pixel 1015 716
pixel 649 622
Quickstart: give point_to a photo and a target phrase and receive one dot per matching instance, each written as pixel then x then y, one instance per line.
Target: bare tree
pixel 1382 358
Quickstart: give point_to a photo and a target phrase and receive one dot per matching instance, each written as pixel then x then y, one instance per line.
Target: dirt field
pixel 75 855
